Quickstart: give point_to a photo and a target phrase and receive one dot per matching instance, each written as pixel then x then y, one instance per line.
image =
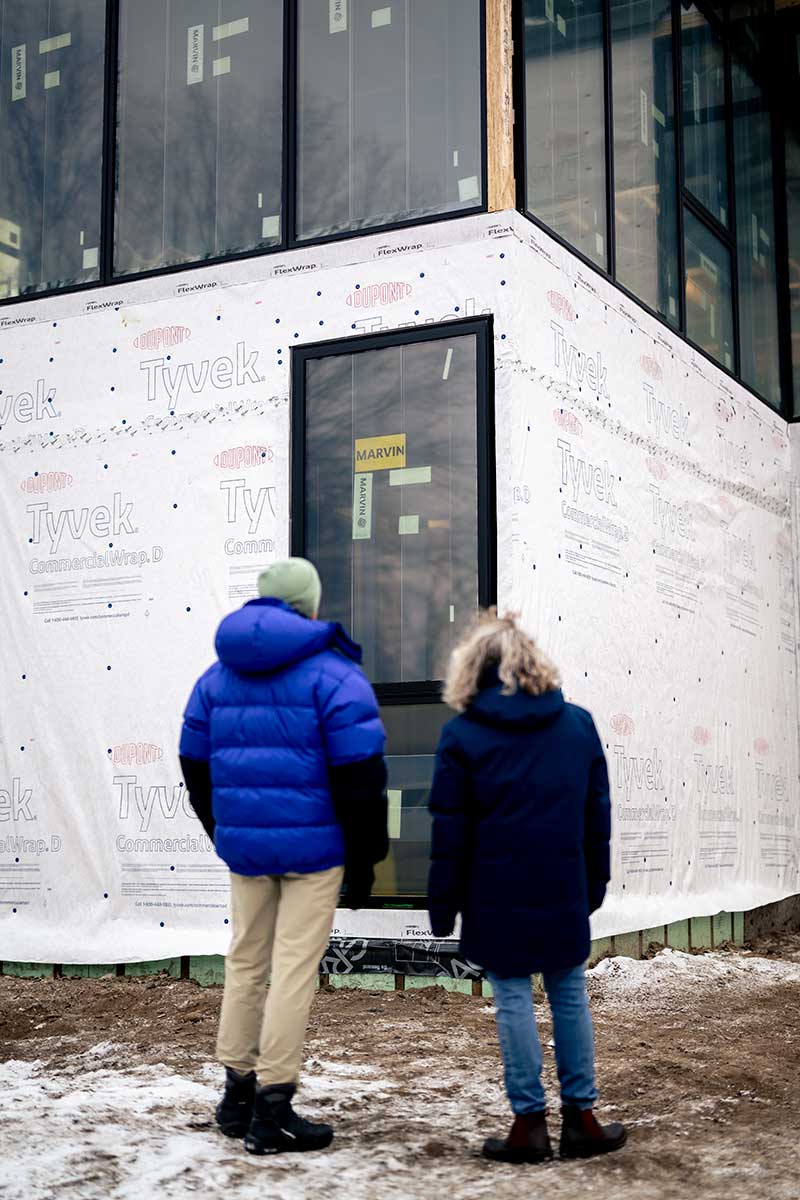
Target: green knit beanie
pixel 296 582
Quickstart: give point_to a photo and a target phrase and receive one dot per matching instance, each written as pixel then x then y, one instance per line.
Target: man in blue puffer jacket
pixel 282 754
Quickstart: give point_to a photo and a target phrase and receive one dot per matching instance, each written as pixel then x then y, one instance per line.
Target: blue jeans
pixel 522 1051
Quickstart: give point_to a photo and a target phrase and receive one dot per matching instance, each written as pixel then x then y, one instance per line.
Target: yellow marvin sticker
pixel 381 453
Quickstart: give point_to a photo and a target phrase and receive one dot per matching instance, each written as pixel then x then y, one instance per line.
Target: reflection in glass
pixel 52 65
pixel 755 235
pixel 644 153
pixel 200 130
pixel 793 216
pixel 709 314
pixel 389 112
pixel 394 534
pixel 705 166
pixel 412 733
pixel 565 121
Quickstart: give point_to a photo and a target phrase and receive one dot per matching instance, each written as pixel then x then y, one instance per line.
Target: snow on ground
pixel 103 1125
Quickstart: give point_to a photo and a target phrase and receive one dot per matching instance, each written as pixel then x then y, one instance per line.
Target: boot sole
pixel 233 1131
pixel 283 1147
pixel 519 1159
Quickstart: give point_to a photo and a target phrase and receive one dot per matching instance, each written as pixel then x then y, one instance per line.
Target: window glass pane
pixel 755 233
pixel 644 153
pixel 793 215
pixel 389 116
pixel 412 735
pixel 52 65
pixel 565 121
pixel 705 165
pixel 391 499
pixel 199 130
pixel 709 316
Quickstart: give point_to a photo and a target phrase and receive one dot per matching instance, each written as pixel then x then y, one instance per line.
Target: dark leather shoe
pixel 582 1135
pixel 235 1109
pixel 528 1141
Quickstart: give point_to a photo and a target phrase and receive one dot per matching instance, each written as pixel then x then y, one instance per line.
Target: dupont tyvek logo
pixel 15 803
pixel 735 457
pixel 761 746
pixel 586 478
pixel 46 481
pixel 713 778
pixel 668 420
pixel 622 724
pixel 578 366
pixel 650 367
pixel 244 456
pixel 24 407
pixel 136 754
pixel 170 381
pixel 163 335
pixel 700 735
pixel 778 441
pixel 771 785
pixel 140 804
pixel 373 294
pixel 567 421
pixel 656 468
pixel 640 773
pixel 74 523
pixel 562 306
pixel 670 516
pixel 738 552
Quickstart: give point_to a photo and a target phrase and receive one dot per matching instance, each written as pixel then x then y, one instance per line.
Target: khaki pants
pixel 281 926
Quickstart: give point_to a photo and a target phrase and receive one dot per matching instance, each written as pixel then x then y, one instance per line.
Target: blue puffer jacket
pixel 285 701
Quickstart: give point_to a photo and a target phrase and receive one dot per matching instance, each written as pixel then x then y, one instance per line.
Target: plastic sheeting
pixel 644 531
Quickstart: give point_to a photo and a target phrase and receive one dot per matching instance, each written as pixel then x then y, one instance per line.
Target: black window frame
pixel 288 240
pixel 423 691
pixel 723 26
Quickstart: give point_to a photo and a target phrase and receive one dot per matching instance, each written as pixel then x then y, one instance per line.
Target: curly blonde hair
pixel 497 641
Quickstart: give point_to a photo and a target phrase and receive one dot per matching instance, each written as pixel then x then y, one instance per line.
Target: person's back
pixel 282 753
pixel 521 827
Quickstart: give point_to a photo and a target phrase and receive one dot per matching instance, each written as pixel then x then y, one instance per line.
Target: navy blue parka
pixel 521 829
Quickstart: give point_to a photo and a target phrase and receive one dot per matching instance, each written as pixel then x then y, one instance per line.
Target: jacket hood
pixel 491 707
pixel 267 635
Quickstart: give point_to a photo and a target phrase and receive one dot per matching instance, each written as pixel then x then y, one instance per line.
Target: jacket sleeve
pixel 351 723
pixel 597 830
pixel 197 777
pixel 359 797
pixel 195 735
pixel 448 805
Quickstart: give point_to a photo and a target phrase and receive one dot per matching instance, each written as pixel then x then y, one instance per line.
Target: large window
pixel 200 123
pixel 393 501
pixel 645 195
pixel 51 141
pixel 565 124
pixel 389 112
pixel 223 127
pixel 670 110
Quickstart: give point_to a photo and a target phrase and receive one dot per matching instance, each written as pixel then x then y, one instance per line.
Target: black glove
pixel 358 880
pixel 442 927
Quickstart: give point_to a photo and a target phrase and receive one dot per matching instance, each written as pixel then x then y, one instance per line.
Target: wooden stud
pixel 500 106
pixel 477 987
pixel 399 983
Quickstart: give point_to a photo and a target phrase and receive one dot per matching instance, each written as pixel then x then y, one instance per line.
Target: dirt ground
pixel 108 1087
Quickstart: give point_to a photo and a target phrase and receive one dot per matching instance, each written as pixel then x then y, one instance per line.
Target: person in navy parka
pixel 521 828
pixel 282 754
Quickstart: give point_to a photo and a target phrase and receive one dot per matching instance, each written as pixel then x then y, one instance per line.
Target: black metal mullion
pixel 723 233
pixel 484 101
pixel 520 113
pixel 290 76
pixel 611 251
pixel 677 118
pixel 109 152
pixel 730 163
pixel 778 130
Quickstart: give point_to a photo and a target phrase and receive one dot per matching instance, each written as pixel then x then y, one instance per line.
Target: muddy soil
pixel 700 1056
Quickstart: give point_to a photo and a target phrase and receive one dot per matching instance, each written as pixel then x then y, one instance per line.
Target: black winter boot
pixel 235 1109
pixel 276 1127
pixel 528 1141
pixel 582 1135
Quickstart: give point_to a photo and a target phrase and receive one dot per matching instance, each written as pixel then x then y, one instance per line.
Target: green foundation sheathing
pixel 699 933
pixel 207 970
pixel 28 970
pixel 172 966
